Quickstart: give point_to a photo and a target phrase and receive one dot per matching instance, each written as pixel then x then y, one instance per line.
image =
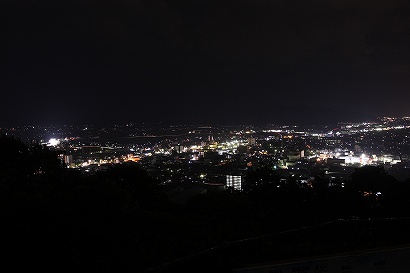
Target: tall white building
pixel 234 181
pixel 68 160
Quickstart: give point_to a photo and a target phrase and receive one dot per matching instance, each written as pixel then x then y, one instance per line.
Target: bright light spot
pixel 53 142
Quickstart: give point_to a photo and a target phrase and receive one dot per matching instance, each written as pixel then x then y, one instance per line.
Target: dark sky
pixel 203 61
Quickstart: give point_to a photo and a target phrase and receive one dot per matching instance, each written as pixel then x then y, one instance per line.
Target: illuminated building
pixel 68 160
pixel 234 181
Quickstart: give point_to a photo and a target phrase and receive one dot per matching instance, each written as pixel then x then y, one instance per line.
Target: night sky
pixel 203 61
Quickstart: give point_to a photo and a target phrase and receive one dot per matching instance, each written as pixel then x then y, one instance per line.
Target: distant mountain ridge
pixel 271 114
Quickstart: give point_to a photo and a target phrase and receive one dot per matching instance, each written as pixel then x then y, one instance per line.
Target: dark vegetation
pixel 119 220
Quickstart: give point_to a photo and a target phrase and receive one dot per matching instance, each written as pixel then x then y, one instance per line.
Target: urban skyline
pixel 219 152
pixel 169 197
pixel 205 135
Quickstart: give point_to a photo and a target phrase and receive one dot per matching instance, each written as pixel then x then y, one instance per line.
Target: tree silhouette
pixel 14 158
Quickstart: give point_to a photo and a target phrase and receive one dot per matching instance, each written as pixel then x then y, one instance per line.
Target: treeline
pixel 57 219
